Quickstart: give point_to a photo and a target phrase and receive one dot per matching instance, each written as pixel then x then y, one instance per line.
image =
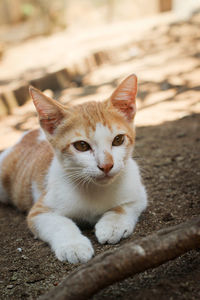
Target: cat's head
pixel 94 140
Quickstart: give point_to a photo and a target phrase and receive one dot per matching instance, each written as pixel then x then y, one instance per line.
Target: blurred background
pixel 80 50
pixel 27 18
pixel 49 16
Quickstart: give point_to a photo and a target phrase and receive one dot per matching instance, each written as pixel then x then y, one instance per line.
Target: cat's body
pixel 78 168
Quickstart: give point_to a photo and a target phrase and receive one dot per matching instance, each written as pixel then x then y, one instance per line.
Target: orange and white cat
pixel 77 168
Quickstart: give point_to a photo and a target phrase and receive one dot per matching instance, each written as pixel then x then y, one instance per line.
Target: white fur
pixel 36 194
pixel 64 237
pixel 42 136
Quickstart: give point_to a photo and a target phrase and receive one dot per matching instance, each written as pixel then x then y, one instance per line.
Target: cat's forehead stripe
pixel 93 113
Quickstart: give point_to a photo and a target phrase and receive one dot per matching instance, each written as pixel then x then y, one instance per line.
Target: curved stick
pixel 131 258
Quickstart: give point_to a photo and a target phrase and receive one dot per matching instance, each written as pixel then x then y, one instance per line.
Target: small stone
pixel 181 134
pixel 14 277
pixel 179 158
pixel 19 249
pixel 10 286
pixel 24 257
pixel 167 161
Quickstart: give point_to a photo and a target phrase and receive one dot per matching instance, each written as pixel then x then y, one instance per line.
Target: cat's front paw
pixel 79 250
pixel 111 229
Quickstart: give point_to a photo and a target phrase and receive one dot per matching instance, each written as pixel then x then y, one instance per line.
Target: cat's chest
pixel 65 199
pixel 80 205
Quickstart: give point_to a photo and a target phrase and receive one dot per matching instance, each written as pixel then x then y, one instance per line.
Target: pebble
pixel 10 286
pixel 19 240
pixel 24 257
pixel 181 134
pixel 179 158
pixel 14 277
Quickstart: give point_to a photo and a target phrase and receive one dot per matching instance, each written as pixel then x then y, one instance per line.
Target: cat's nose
pixel 106 168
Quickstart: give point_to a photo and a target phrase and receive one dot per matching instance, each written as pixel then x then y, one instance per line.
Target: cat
pixel 77 167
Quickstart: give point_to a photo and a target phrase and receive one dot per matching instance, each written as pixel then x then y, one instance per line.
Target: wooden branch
pixel 129 259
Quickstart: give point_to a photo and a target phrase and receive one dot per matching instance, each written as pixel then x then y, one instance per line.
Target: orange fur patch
pixel 27 162
pixel 38 208
pixel 118 209
pixel 108 158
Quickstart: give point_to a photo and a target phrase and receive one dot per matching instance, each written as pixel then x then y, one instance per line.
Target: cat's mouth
pixel 106 179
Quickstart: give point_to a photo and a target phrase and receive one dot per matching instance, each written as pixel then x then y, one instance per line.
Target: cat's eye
pixel 118 140
pixel 81 146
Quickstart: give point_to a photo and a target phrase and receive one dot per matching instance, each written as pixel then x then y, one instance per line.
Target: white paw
pixel 111 230
pixel 79 250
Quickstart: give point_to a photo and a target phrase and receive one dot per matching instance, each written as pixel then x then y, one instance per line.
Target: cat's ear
pixel 49 111
pixel 124 96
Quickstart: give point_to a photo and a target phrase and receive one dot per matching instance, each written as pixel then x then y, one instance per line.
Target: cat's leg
pixel 119 222
pixel 61 233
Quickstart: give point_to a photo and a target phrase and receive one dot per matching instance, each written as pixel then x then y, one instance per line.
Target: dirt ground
pixel 167 150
